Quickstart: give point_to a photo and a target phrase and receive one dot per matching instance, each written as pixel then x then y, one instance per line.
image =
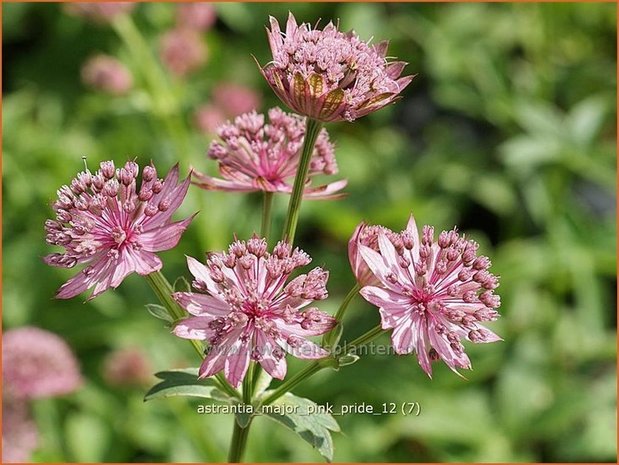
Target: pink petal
pixel 210 183
pixel 274 366
pixel 142 261
pixel 202 304
pixel 196 327
pixel 237 361
pixel 164 237
pixel 377 265
pixel 327 191
pixel 213 363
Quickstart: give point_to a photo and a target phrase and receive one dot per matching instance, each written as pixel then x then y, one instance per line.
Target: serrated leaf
pixel 185 382
pixel 304 418
pixel 159 312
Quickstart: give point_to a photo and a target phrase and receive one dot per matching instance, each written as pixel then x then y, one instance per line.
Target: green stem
pixel 239 441
pixel 163 290
pixel 312 129
pixel 267 203
pixel 165 106
pixel 329 339
pixel 365 338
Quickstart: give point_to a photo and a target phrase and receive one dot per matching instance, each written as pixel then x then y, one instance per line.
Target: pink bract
pixel 257 156
pixel 432 293
pixel 367 235
pixel 106 221
pixel 37 363
pixel 246 310
pixel 329 75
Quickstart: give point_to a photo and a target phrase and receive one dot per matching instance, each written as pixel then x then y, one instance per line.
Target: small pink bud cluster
pixel 257 156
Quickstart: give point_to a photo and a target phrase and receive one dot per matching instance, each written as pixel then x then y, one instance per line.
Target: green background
pixel 508 131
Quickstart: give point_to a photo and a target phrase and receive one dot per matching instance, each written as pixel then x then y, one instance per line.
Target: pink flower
pixel 126 367
pixel 367 235
pixel 104 220
pixel 198 15
pixel 182 51
pixel 100 12
pixel 106 73
pixel 37 363
pixel 258 156
pixel 235 99
pixel 432 294
pixel 208 118
pixel 247 311
pixel 19 431
pixel 329 75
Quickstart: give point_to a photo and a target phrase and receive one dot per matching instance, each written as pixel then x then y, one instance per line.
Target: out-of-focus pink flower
pixel 106 73
pixel 328 75
pixel 258 156
pixel 104 220
pixel 235 99
pixel 37 363
pixel 126 367
pixel 100 12
pixel 198 15
pixel 208 118
pixel 247 311
pixel 19 432
pixel 368 235
pixel 182 51
pixel 432 294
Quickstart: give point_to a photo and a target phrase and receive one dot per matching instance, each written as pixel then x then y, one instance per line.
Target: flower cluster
pixel 246 310
pixel 432 293
pixel 35 364
pixel 257 156
pixel 329 75
pixel 104 220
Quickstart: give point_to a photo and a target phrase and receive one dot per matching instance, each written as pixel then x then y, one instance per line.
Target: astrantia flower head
pixel 246 311
pixel 432 293
pixel 196 15
pixel 37 363
pixel 329 75
pixel 104 220
pixel 257 156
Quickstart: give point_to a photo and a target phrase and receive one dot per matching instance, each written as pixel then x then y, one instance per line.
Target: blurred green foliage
pixel 508 131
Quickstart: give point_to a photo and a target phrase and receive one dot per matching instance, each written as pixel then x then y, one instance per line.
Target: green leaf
pixel 304 418
pixel 185 382
pixel 159 312
pixel 347 359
